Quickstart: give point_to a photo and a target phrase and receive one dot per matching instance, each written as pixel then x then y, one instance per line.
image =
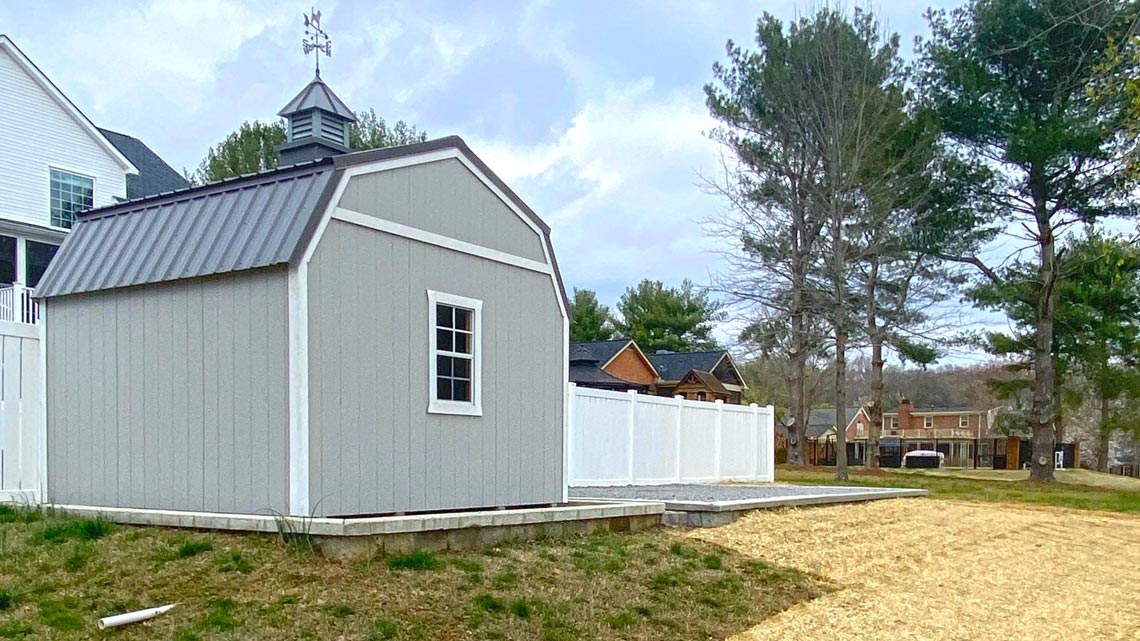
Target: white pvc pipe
pixel 132 617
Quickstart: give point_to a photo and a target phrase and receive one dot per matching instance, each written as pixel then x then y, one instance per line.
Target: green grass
pixel 58 576
pixel 413 561
pixel 1068 495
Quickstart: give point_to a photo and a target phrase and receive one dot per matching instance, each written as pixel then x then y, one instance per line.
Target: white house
pixel 55 163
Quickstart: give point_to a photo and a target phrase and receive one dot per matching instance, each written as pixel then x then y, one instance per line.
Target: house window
pixel 859 429
pixel 7 260
pixel 963 421
pixel 701 396
pixel 894 423
pixel 38 255
pixel 928 421
pixel 455 359
pixel 70 194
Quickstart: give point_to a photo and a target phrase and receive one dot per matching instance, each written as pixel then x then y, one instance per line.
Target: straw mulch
pixel 946 570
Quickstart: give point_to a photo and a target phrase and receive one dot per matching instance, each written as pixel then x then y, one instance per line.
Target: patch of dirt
pixel 949 570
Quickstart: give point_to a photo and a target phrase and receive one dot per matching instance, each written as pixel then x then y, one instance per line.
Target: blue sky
pixel 592 111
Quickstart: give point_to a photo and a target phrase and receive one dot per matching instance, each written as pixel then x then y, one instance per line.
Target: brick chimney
pixel 905 408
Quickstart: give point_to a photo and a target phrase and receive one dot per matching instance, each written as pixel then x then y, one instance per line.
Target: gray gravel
pixel 702 493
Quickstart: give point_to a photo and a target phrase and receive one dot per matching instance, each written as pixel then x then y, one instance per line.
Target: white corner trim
pixel 436 406
pixel 299 390
pixel 64 102
pixel 439 240
pixel 43 428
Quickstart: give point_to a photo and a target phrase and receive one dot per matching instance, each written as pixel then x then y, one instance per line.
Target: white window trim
pixel 928 421
pixel 461 408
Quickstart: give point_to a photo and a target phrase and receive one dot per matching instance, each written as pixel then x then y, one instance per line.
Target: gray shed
pixel 368 333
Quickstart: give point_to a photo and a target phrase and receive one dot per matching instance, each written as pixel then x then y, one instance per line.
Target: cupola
pixel 317 124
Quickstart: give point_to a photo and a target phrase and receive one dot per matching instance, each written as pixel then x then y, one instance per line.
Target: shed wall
pixel 444 198
pixel 373 446
pixel 171 396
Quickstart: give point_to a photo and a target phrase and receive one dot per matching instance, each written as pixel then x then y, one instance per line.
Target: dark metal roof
pixel 317 95
pixel 602 351
pixel 154 177
pixel 671 366
pixel 222 227
pixel 250 221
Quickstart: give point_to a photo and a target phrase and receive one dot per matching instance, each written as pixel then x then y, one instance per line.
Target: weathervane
pixel 316 38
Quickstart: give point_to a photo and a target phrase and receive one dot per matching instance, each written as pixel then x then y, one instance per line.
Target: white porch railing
pixel 17 305
pixel 629 438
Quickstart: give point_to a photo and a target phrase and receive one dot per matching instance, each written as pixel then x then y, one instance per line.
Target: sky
pixel 592 111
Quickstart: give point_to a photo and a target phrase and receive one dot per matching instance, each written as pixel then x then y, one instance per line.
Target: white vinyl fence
pixel 625 438
pixel 21 412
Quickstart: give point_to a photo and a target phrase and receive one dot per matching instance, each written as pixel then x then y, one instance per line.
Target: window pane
pixel 443 340
pixel 462 343
pixel 69 194
pixel 7 260
pixel 443 365
pixel 462 391
pixel 462 368
pixel 443 388
pixel 443 316
pixel 463 319
pixel 38 255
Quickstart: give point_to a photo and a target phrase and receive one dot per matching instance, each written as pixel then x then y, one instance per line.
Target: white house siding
pixel 36 134
pixel 171 396
pixel 444 198
pixel 373 446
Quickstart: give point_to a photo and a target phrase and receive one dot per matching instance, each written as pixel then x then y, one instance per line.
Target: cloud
pixel 166 46
pixel 620 187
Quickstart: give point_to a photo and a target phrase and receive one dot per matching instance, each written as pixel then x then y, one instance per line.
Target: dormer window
pixel 70 195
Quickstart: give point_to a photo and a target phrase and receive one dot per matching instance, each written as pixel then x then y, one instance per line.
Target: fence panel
pixel 21 411
pixel 627 438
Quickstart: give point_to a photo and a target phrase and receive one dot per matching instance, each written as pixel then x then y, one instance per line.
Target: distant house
pixel 672 367
pixel 586 371
pixel 350 334
pixel 623 359
pixel 54 164
pixel 819 437
pixel 701 386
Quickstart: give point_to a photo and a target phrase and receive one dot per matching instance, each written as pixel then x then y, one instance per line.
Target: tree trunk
pixel 1044 374
pixel 799 355
pixel 871 456
pixel 1102 436
pixel 840 403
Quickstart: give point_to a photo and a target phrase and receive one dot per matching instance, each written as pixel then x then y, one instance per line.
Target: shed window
pixel 70 194
pixel 455 359
pixel 928 421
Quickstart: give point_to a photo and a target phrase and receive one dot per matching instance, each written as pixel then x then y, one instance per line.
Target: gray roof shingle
pixel 602 351
pixel 154 177
pixel 671 366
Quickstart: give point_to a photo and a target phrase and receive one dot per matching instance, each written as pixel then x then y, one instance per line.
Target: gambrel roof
pixel 252 221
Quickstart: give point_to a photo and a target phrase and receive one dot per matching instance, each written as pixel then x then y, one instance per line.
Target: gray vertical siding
pixel 171 396
pixel 445 198
pixel 373 446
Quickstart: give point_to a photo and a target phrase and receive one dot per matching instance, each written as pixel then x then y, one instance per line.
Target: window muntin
pixel 70 195
pixel 455 359
pixel 928 421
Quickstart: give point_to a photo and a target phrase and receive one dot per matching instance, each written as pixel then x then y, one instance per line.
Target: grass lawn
pixel 58 576
pixel 943 484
